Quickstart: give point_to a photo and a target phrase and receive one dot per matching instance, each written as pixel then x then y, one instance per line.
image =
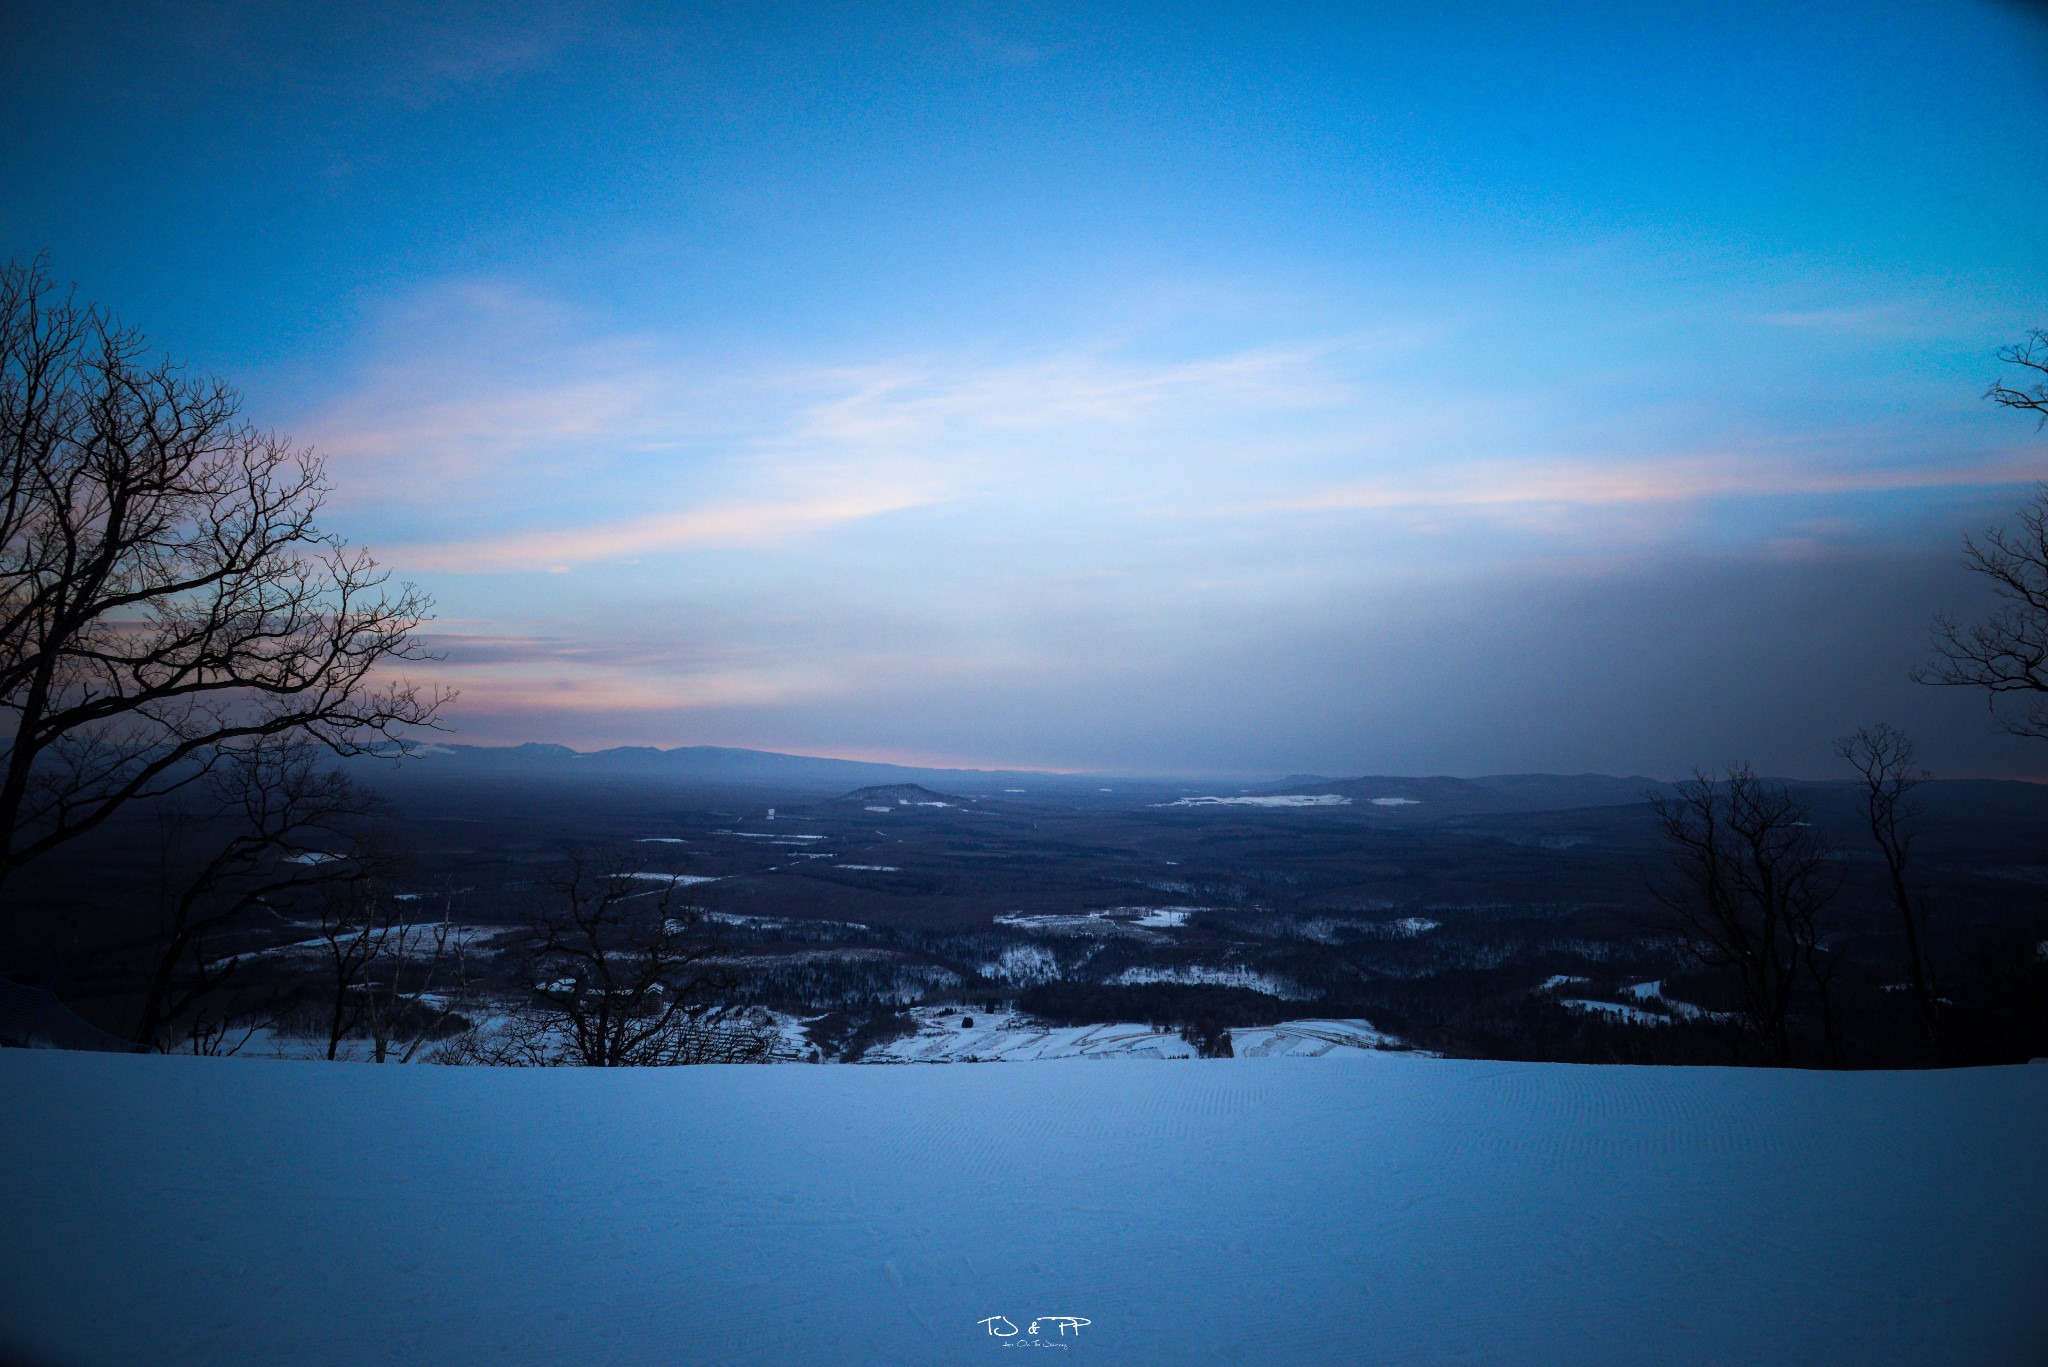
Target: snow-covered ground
pixel 1621 1011
pixel 1217 975
pixel 1105 922
pixel 945 1036
pixel 1309 1039
pixel 418 943
pixel 1373 1208
pixel 1009 1037
pixel 1282 800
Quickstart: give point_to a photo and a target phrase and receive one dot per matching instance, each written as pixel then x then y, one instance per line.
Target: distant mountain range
pixel 718 764
pixel 1403 799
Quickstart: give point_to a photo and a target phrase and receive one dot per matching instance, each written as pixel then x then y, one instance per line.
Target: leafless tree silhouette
pixel 1750 883
pixel 2007 653
pixel 167 597
pixel 625 975
pixel 424 983
pixel 1885 760
pixel 2027 392
pixel 282 806
pixel 383 965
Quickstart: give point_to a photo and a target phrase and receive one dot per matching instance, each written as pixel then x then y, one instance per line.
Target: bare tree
pixel 166 594
pixel 1749 883
pixel 353 938
pixel 383 967
pixel 1884 758
pixel 2030 391
pixel 279 804
pixel 412 1003
pixel 627 977
pixel 2007 653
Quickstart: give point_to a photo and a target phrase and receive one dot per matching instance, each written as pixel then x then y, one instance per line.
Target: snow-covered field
pixel 1103 923
pixel 1218 975
pixel 1284 800
pixel 944 1036
pixel 1309 1039
pixel 1371 1208
pixel 1011 1038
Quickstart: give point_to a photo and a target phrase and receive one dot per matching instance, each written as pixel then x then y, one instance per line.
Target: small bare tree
pixel 1884 758
pixel 353 938
pixel 383 967
pixel 425 981
pixel 1749 884
pixel 626 976
pixel 167 597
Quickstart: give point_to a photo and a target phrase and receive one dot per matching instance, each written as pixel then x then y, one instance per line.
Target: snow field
pixel 1009 1037
pixel 1309 1039
pixel 1372 1208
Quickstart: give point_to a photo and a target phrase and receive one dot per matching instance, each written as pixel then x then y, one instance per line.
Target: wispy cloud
pixel 1681 479
pixel 1082 387
pixel 492 432
pixel 732 524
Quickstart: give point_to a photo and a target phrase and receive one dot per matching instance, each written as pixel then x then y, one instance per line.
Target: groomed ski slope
pixel 1341 1210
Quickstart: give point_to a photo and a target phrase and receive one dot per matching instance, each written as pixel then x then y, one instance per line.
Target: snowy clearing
pixel 1405 928
pixel 1141 922
pixel 417 941
pixel 1308 1039
pixel 1366 1208
pixel 1022 964
pixel 1005 1037
pixel 1283 800
pixel 1632 1015
pixel 733 918
pixel 1397 802
pixel 1232 975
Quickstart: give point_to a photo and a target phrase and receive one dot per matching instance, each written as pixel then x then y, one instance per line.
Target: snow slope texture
pixel 1366 1209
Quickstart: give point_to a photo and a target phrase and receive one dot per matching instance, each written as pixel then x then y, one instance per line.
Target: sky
pixel 1166 389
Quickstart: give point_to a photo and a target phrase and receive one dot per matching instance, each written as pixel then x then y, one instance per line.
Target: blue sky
pixel 1337 389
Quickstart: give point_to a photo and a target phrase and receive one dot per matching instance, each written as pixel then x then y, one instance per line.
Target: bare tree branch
pixel 2007 653
pixel 167 596
pixel 1749 884
pixel 2030 355
pixel 1885 760
pixel 628 978
pixel 279 802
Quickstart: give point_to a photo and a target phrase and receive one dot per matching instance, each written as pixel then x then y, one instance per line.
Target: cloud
pixel 1680 479
pixel 1885 318
pixel 728 525
pixel 595 671
pixel 458 48
pixel 1081 551
pixel 1081 387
